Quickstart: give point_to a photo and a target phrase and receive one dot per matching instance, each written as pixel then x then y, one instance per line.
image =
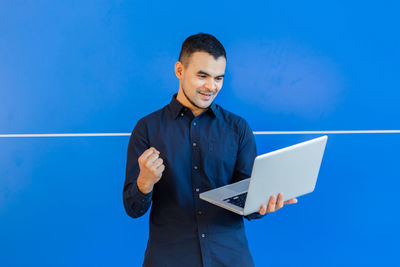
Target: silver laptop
pixel 292 170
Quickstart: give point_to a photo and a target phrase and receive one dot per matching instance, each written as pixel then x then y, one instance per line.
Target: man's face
pixel 201 79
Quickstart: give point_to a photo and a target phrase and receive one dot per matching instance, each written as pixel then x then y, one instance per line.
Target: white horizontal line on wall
pixel 331 132
pixel 65 135
pixel 255 132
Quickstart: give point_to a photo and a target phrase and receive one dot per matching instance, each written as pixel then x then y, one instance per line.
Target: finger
pixel 160 168
pixel 151 159
pixel 263 210
pixel 279 203
pixel 157 162
pixel 291 201
pixel 271 204
pixel 147 154
pixel 155 150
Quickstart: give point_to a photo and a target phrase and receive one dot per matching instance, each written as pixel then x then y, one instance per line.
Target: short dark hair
pixel 201 42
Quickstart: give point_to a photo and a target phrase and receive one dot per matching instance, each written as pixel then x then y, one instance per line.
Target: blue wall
pixel 99 66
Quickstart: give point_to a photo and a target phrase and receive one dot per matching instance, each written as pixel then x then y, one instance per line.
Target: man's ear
pixel 179 69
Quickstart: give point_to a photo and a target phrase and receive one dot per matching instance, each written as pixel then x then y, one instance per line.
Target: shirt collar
pixel 177 108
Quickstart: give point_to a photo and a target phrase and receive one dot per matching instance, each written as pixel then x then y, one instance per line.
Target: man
pixel 190 146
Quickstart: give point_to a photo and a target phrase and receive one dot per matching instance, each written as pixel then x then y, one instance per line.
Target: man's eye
pixel 219 79
pixel 202 76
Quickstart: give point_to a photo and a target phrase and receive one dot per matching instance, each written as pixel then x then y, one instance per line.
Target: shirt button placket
pixel 195 135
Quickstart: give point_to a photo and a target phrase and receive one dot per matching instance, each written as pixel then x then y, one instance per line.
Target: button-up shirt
pixel 200 153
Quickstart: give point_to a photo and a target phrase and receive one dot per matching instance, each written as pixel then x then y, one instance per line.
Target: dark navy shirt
pixel 199 153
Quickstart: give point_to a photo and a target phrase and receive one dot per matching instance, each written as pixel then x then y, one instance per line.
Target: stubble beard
pixel 192 102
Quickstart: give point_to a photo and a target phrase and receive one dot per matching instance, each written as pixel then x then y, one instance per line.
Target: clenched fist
pixel 151 168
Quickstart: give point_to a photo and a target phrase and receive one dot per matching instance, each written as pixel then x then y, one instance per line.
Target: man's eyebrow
pixel 207 74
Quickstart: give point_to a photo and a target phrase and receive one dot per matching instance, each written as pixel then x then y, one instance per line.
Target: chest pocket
pixel 221 160
pixel 223 149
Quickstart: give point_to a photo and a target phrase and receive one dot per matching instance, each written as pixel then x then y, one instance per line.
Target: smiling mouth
pixel 205 97
pixel 205 94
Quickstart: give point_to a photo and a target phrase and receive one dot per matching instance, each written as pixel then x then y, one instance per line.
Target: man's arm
pixel 244 164
pixel 247 152
pixel 143 169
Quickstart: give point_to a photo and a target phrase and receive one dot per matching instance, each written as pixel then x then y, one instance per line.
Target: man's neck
pixel 185 102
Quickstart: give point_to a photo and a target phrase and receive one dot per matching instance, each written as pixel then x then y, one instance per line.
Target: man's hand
pixel 151 168
pixel 274 205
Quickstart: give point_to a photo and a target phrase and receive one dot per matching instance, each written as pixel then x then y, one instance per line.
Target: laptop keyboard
pixel 237 200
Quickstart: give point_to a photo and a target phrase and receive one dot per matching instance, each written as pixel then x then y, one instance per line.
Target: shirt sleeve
pixel 135 202
pixel 247 152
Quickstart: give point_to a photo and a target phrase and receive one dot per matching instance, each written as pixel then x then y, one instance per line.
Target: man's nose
pixel 210 84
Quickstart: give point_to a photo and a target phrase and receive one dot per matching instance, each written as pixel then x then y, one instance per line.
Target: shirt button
pixel 194 124
pixel 195 167
pixel 203 235
pixel 181 114
pixel 194 144
pixel 197 190
pixel 199 212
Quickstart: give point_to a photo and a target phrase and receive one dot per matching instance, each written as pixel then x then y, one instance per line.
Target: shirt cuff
pixel 253 216
pixel 139 195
